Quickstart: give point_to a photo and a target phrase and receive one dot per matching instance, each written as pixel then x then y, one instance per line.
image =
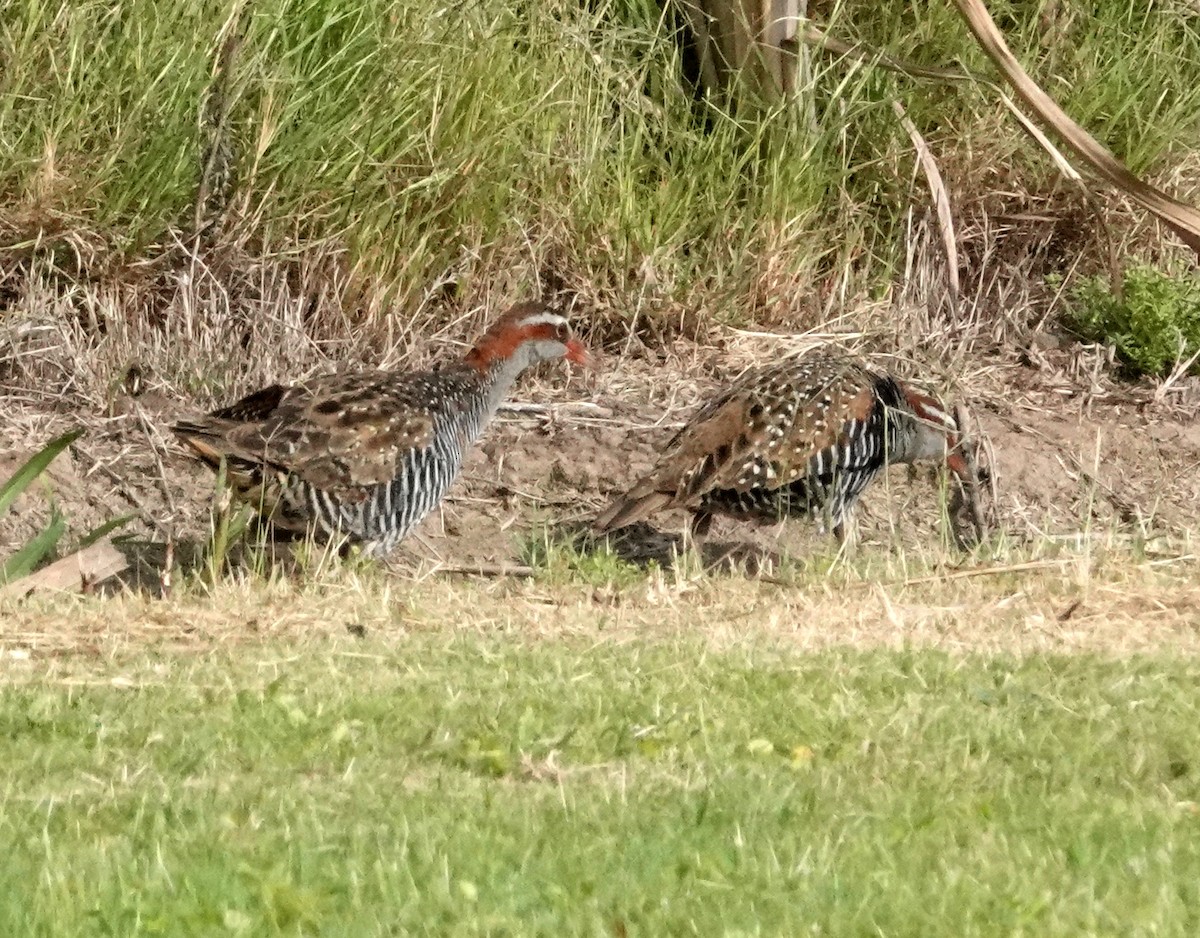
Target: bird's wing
pixel 770 429
pixel 695 460
pixel 342 434
pixel 767 431
pixel 819 440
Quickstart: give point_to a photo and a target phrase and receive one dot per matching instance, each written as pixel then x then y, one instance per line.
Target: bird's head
pixel 937 435
pixel 528 333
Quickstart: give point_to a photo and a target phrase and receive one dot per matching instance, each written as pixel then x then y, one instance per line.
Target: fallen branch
pixel 81 571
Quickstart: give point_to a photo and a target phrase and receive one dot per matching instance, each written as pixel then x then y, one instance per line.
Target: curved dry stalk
pixel 941 201
pixel 1180 217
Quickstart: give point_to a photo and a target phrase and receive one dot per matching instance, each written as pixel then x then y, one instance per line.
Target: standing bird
pixel 370 455
pixel 804 436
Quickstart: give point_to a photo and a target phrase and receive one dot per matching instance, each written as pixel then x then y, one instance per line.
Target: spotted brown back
pixel 809 432
pixel 767 429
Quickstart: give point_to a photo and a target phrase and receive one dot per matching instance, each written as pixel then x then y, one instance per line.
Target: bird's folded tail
pixel 252 479
pixel 203 439
pixel 630 509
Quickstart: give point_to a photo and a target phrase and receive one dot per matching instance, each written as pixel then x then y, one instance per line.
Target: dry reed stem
pixel 1060 161
pixel 1183 219
pixel 941 201
pixel 863 54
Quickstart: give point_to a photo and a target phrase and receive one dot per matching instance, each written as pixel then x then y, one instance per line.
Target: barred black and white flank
pixel 804 436
pixel 370 455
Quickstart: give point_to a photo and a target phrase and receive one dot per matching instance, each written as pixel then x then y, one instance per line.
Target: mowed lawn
pixel 493 781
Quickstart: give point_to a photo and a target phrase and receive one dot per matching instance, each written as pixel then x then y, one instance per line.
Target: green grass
pixel 486 785
pixel 580 560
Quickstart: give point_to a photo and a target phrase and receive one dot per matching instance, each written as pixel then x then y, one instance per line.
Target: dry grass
pixel 332 256
pixel 1102 600
pixel 1073 453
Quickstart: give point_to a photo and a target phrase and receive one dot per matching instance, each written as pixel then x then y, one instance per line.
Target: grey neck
pixel 503 374
pixel 915 439
pixel 497 381
pixel 903 436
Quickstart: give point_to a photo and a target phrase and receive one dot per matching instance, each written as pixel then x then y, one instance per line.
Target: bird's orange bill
pixel 577 352
pixel 958 465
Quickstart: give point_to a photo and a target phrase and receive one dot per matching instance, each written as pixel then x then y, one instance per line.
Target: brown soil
pixel 1065 453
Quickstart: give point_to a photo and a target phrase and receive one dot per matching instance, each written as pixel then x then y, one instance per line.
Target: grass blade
pixel 25 560
pixel 103 530
pixel 36 465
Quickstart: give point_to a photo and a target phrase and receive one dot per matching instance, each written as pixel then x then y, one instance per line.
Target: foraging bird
pixel 804 436
pixel 370 455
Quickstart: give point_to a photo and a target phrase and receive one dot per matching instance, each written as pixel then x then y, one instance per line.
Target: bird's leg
pixel 701 524
pixel 698 526
pixel 832 518
pixel 844 531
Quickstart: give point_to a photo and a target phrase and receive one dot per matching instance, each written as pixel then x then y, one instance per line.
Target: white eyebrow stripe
pixel 544 319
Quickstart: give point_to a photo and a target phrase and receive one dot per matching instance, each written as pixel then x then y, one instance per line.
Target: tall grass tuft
pixel 433 154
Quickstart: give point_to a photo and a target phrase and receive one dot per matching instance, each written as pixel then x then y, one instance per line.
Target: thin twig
pixel 553 410
pixel 125 492
pixel 162 469
pixel 485 569
pixel 1128 512
pixel 1036 133
pixel 1181 369
pixel 981 571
